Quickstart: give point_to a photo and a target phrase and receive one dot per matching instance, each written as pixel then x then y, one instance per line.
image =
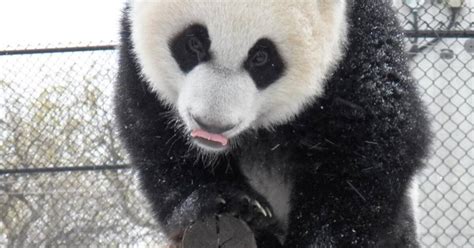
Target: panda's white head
pixel 231 66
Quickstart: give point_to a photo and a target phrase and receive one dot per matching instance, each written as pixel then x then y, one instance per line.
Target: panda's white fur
pixel 222 91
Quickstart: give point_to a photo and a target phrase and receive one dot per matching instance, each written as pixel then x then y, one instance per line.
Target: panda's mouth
pixel 211 141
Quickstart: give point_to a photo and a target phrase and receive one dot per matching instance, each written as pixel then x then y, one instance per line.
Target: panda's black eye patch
pixel 191 47
pixel 264 63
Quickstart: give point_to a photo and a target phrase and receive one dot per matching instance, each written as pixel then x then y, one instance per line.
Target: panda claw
pixel 246 199
pixel 259 207
pixel 221 202
pixel 269 212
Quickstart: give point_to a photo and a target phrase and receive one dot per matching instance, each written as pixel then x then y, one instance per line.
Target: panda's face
pixel 230 66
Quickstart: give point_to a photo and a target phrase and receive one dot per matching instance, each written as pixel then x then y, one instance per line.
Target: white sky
pixel 43 22
pixel 39 23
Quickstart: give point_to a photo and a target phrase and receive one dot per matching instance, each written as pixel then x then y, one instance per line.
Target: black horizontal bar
pixel 439 34
pixel 57 50
pixel 408 33
pixel 64 169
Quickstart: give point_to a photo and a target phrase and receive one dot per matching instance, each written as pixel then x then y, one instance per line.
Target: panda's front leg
pixel 215 200
pixel 367 211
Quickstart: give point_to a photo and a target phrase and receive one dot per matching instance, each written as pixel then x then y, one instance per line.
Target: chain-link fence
pixel 64 180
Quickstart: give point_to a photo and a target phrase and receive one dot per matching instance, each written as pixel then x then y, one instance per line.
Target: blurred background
pixel 65 180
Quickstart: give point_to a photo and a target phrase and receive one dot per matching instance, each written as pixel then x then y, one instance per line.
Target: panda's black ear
pixel 191 47
pixel 264 63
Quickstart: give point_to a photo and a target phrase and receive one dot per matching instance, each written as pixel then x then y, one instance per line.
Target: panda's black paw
pixel 245 207
pixel 214 201
pixel 217 199
pixel 240 203
pixel 254 210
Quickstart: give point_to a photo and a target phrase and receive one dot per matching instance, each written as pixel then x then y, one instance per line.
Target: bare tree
pixel 66 124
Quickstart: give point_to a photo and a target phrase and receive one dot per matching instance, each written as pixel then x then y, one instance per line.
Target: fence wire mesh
pixel 64 180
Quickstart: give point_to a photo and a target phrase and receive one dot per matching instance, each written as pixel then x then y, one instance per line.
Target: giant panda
pixel 299 117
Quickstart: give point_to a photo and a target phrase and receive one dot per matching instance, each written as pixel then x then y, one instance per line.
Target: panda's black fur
pixel 352 154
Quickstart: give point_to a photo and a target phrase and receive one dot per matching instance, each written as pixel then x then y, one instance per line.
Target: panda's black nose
pixel 212 127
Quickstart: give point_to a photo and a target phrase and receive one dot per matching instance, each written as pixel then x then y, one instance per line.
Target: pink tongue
pixel 210 136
